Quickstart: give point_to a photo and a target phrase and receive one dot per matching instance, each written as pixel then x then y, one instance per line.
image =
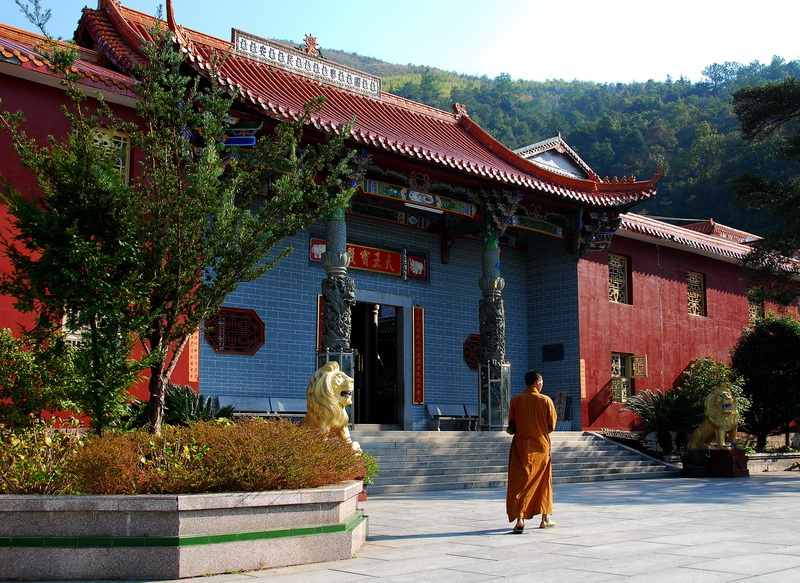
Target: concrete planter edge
pixel 174 536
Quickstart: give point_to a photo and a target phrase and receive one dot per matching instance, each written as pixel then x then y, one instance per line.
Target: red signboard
pixel 377 259
pixel 419 356
pixel 374 259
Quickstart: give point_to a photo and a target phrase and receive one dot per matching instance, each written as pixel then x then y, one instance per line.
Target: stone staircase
pixel 418 461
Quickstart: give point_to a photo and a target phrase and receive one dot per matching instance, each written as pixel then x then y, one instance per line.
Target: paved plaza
pixel 708 530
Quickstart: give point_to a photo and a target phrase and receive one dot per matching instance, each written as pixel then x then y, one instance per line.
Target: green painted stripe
pixel 176 541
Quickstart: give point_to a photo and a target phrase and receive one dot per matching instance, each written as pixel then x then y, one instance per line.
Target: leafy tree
pixel 73 260
pixel 33 379
pixel 629 129
pixel 703 376
pixel 764 111
pixel 197 220
pixel 768 357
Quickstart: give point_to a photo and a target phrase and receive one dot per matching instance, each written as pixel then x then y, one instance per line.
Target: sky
pixel 605 41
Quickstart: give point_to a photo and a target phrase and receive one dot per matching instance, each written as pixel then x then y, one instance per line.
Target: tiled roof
pixel 22 48
pixel 685 237
pixel 710 227
pixel 391 123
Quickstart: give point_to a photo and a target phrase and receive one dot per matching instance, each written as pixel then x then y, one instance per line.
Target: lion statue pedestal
pixel 727 463
pixel 329 392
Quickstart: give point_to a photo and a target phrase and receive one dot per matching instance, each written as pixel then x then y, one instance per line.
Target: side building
pixel 661 297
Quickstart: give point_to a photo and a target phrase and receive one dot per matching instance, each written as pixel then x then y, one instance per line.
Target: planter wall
pixel 174 536
pixel 774 462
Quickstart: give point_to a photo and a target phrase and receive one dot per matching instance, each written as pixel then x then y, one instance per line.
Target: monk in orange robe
pixel 530 469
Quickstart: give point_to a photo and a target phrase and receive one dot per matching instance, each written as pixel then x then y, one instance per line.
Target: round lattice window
pixel 235 331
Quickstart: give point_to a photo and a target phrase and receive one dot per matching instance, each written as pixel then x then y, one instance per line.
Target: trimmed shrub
pixel 37 461
pixel 216 456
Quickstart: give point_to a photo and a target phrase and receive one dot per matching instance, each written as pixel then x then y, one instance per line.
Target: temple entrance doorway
pixel 374 334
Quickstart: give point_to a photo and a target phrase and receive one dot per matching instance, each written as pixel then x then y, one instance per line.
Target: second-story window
pixel 618 286
pixel 118 144
pixel 696 293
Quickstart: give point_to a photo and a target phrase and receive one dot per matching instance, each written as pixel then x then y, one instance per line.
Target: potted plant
pixel 663 412
pixel 371 467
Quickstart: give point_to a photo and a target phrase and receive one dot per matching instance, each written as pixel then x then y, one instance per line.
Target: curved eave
pixel 127 31
pixel 592 193
pixel 611 186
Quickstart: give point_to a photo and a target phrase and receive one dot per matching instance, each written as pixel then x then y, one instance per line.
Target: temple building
pixel 458 264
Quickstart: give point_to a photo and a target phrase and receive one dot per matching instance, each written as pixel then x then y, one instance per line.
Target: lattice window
pixel 235 331
pixel 696 293
pixel 624 368
pixel 618 279
pixel 638 366
pixel 755 312
pixel 72 331
pixel 118 144
pixel 620 382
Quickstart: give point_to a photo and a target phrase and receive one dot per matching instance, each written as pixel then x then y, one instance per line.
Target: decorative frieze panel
pixel 306 64
pixel 425 200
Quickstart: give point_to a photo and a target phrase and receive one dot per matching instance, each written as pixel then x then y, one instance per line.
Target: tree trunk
pixel 155 406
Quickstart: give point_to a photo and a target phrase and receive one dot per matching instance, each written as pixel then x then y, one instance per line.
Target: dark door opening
pixel 375 337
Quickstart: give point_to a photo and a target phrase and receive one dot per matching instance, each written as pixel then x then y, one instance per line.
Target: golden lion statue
pixel 722 418
pixel 329 392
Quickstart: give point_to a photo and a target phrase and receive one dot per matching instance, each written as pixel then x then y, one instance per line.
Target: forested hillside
pixel 620 129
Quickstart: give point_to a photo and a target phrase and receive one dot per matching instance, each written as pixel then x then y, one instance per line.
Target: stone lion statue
pixel 722 419
pixel 329 392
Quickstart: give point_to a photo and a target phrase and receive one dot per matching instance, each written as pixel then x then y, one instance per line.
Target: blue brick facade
pixel 539 296
pixel 553 315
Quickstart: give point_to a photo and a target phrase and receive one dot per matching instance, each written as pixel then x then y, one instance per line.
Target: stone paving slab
pixel 707 530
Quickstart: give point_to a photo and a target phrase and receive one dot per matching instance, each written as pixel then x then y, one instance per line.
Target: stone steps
pixel 453 460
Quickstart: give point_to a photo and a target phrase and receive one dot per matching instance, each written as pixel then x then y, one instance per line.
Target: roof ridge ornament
pixel 177 31
pixel 311 46
pixel 460 110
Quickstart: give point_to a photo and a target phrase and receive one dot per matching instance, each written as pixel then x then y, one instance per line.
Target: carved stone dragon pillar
pixel 491 313
pixel 338 290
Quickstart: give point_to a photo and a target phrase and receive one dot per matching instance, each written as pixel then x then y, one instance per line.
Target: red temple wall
pixel 41 105
pixel 656 324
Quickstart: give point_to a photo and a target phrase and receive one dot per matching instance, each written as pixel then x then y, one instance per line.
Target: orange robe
pixel 530 469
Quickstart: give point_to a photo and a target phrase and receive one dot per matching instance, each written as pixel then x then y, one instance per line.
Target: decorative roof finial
pixel 311 46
